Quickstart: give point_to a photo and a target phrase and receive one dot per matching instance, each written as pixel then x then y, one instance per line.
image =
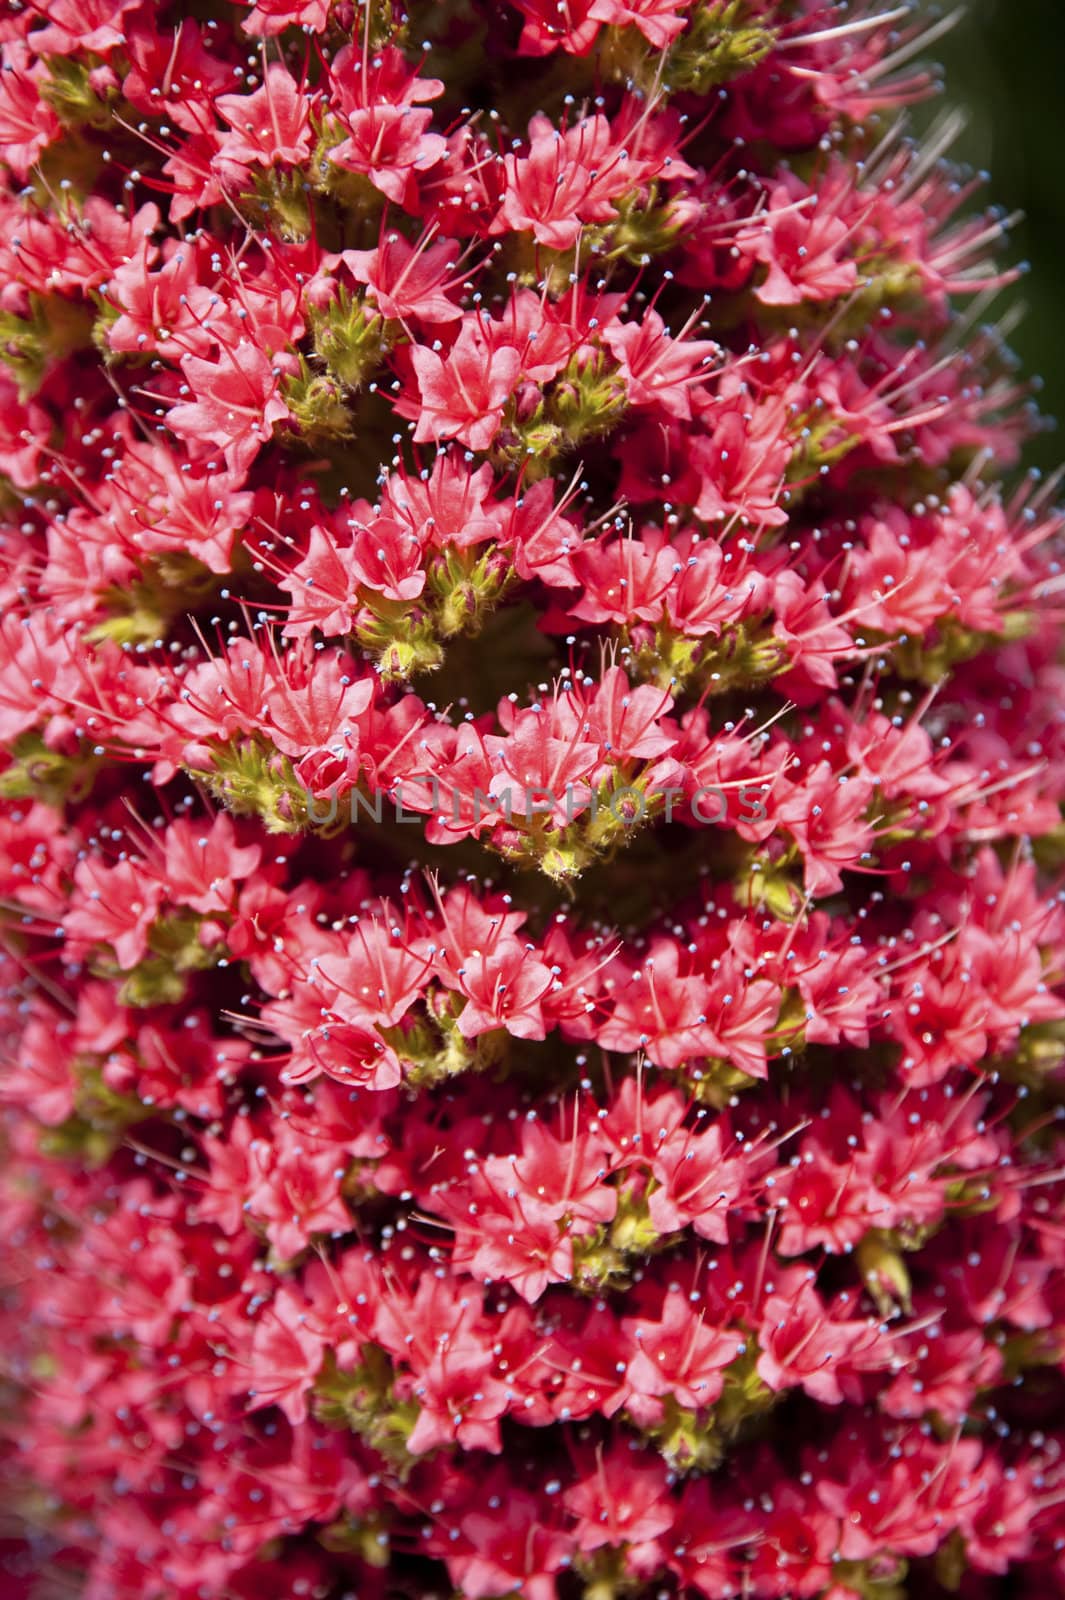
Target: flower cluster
pixel 530 815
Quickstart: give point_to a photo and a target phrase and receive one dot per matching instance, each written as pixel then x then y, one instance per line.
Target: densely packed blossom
pixel 530 821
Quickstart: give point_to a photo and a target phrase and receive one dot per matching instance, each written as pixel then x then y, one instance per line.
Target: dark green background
pixel 1005 66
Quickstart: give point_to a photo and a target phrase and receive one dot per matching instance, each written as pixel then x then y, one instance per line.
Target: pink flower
pixel 657 368
pixel 390 145
pixel 407 281
pixel 463 394
pixel 660 21
pixel 201 863
pixel 270 126
pixel 533 968
pixel 741 460
pixel 826 816
pixel 503 1545
pixel 678 1355
pixel 547 29
pixel 73 25
pixel 569 179
pixel 270 17
pixel 285 1355
pixel 113 905
pixel 504 991
pixel 800 243
pixel 620 1502
pixel 28 124
pixel 237 402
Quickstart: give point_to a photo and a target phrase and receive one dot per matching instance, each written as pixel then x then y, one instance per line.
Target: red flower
pixel 803 1345
pixel 407 281
pixel 115 906
pixel 201 864
pixel 741 460
pixel 533 979
pixel 620 1502
pixel 285 1357
pixel 564 1173
pixel 72 25
pixel 28 124
pixel 657 368
pixel 504 990
pixel 657 20
pixel 237 403
pixel 826 817
pixel 463 394
pixel 270 126
pixel 547 29
pixel 390 145
pixel 678 1355
pixel 270 17
pixel 799 242
pixel 699 1184
pixel 799 1540
pixel 662 1010
pixel 503 1545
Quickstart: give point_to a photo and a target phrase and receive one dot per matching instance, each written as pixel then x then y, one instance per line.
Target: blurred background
pixel 1005 66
